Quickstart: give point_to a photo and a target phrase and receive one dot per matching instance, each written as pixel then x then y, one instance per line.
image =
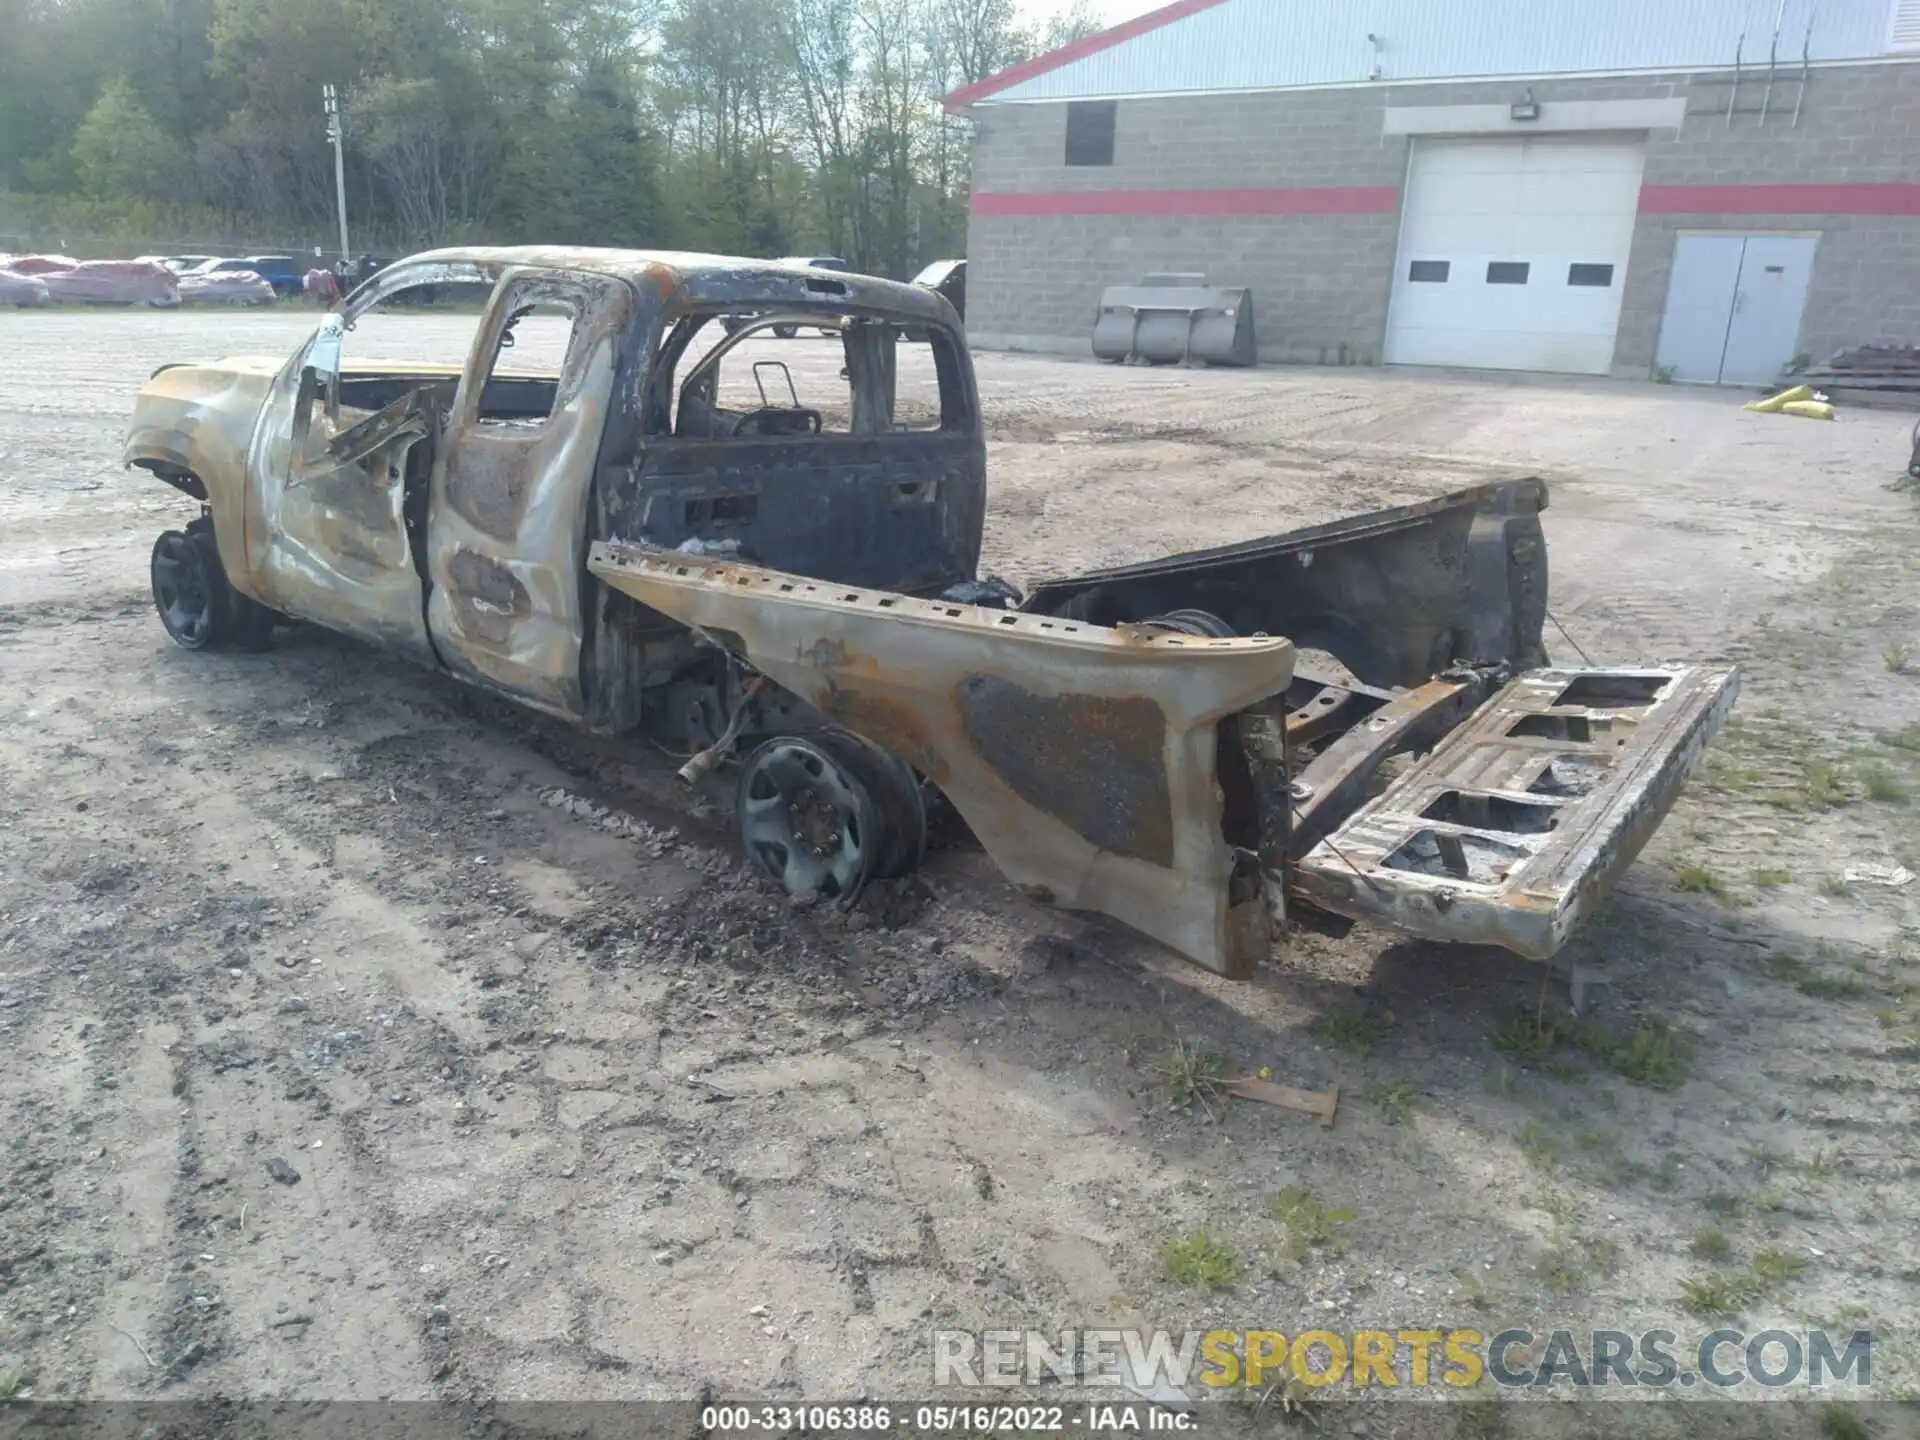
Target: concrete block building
pixel 1701 188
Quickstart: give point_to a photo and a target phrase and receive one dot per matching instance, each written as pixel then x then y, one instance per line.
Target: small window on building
pixel 1598 276
pixel 1090 132
pixel 1431 271
pixel 1507 272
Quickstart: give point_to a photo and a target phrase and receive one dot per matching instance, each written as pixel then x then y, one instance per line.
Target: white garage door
pixel 1513 253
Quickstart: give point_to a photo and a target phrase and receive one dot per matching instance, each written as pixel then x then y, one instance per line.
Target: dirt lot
pixel 578 1110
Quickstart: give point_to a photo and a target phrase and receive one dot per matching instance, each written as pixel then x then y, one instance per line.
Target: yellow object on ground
pixel 1808 409
pixel 1775 404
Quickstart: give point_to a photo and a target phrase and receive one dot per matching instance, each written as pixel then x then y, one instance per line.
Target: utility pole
pixel 331 98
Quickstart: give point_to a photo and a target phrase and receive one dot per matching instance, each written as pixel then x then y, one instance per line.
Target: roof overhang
pixel 1079 50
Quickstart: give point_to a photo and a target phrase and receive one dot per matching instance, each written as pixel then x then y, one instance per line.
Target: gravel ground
pixel 364 1037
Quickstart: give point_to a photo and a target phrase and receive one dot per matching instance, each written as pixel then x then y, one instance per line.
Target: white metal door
pixel 1513 253
pixel 1733 307
pixel 1693 335
pixel 1764 332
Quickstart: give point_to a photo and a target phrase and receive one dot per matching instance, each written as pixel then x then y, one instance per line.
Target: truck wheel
pixel 806 820
pixel 786 332
pixel 199 609
pixel 183 573
pixel 895 791
pixel 1199 623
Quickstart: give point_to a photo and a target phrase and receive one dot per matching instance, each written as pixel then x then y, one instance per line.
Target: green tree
pixel 119 152
pixel 757 126
pixel 606 188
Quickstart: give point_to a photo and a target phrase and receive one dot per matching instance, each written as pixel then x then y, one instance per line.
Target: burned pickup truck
pixel 654 536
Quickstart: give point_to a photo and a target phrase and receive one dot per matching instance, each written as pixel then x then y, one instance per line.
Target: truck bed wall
pixel 1397 596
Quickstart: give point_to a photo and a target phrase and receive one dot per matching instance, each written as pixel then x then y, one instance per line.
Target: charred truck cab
pixel 659 534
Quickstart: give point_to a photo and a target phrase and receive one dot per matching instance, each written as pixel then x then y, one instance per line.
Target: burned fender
pixel 192 426
pixel 1083 757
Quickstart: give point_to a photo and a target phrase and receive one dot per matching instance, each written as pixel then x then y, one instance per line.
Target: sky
pixel 1112 12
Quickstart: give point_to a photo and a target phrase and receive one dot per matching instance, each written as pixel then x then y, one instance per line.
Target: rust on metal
pixel 1093 762
pixel 1330 787
pixel 616 541
pixel 906 672
pixel 1526 814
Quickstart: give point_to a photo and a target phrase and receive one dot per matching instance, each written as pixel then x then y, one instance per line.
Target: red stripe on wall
pixel 1889 199
pixel 1078 50
pixel 1327 200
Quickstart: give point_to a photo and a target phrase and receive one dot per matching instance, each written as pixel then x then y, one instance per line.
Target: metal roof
pixel 1201 45
pixel 702 277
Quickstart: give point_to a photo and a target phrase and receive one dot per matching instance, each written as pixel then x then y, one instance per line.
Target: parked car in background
pixel 948 278
pixel 282 272
pixel 115 282
pixel 225 287
pixel 41 264
pixel 179 264
pixel 18 289
pixel 364 269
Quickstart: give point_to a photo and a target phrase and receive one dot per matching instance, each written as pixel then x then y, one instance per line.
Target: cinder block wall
pixel 1321 282
pixel 1859 124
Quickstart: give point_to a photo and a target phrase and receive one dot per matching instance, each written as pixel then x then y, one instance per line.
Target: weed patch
pixel 1725 1294
pixel 1882 785
pixel 1305 1223
pixel 1698 880
pixel 1200 1261
pixel 1192 1076
pixel 1655 1056
pixel 1395 1100
pixel 1710 1243
pixel 1347 1031
pixel 1537 1146
pixel 1522 1037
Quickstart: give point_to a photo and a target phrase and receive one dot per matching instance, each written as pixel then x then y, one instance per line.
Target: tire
pixel 1200 623
pixel 183 591
pixel 197 606
pixel 895 791
pixel 786 332
pixel 808 822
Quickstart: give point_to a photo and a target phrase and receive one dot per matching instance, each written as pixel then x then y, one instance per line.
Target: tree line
pixel 760 127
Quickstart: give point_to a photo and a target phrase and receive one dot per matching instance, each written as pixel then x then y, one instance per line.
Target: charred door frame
pixel 346 558
pixel 881 489
pixel 507 517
